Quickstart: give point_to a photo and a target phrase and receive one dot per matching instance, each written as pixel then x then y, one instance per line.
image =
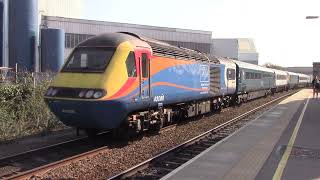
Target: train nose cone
pixel 89 114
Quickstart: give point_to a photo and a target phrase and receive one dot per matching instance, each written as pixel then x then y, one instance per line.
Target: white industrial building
pixel 242 49
pixel 61 8
pixel 78 30
pixel 68 15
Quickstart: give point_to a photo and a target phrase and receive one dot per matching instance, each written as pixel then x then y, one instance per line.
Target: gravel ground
pixel 118 158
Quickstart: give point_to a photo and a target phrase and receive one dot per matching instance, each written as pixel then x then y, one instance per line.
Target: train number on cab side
pixel 158 98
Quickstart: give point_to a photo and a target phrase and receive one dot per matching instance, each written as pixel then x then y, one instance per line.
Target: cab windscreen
pixel 89 59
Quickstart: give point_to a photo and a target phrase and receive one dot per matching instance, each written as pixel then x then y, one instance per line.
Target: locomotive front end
pixel 82 94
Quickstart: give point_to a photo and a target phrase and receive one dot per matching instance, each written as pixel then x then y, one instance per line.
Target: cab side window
pixel 131 65
pixel 145 65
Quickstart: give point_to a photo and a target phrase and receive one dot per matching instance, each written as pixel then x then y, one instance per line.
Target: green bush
pixel 23 110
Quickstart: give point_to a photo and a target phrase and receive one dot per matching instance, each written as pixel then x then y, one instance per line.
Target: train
pixel 128 83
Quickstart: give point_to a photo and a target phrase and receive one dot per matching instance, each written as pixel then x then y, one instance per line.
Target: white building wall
pixel 225 48
pixel 247 51
pixel 246 45
pixel 62 8
pixel 242 49
pixel 59 8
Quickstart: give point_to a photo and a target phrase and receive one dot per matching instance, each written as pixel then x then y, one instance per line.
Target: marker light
pixel 98 94
pixel 82 93
pixel 89 94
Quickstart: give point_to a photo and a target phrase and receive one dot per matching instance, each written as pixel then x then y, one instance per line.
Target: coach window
pixel 247 75
pixel 131 65
pixel 251 75
pixel 231 74
pixel 258 75
pixel 145 65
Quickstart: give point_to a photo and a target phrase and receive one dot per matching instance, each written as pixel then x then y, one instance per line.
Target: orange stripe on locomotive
pixel 157 64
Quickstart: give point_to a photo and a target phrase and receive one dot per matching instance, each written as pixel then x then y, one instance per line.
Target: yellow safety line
pixel 283 162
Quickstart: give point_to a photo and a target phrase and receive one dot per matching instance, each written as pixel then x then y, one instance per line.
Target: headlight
pixel 89 94
pixel 49 92
pixel 98 94
pixel 54 92
pixel 82 93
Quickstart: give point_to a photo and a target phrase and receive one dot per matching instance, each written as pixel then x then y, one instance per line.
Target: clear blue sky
pixel 282 34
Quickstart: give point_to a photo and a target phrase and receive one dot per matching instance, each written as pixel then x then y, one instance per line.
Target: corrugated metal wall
pixel 97 27
pixel 78 30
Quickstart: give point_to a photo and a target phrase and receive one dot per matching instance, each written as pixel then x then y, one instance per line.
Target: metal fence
pixel 13 76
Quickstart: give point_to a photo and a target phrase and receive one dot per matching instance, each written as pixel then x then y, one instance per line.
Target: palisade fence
pixel 11 76
pixel 23 111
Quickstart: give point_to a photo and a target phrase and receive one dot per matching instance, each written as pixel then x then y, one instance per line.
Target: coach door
pixel 144 63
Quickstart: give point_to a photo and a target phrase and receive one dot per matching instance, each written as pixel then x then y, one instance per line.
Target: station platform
pixel 282 143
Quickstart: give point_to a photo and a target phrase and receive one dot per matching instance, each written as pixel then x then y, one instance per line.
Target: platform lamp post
pixel 312 17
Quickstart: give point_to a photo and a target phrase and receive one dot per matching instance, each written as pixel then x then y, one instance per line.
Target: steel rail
pixel 30 153
pixel 7 158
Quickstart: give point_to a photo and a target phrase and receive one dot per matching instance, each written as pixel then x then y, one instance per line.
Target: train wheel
pixel 139 128
pixel 124 132
pixel 226 103
pixel 120 133
pixel 161 124
pixel 238 101
pixel 219 107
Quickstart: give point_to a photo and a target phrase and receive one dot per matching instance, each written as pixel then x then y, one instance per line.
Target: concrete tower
pixel 4 33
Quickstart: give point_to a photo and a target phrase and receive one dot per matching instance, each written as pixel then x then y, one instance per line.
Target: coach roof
pixel 107 40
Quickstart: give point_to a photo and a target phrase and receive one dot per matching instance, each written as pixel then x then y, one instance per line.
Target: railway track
pixel 164 163
pixel 14 165
pixel 38 161
pixel 37 165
